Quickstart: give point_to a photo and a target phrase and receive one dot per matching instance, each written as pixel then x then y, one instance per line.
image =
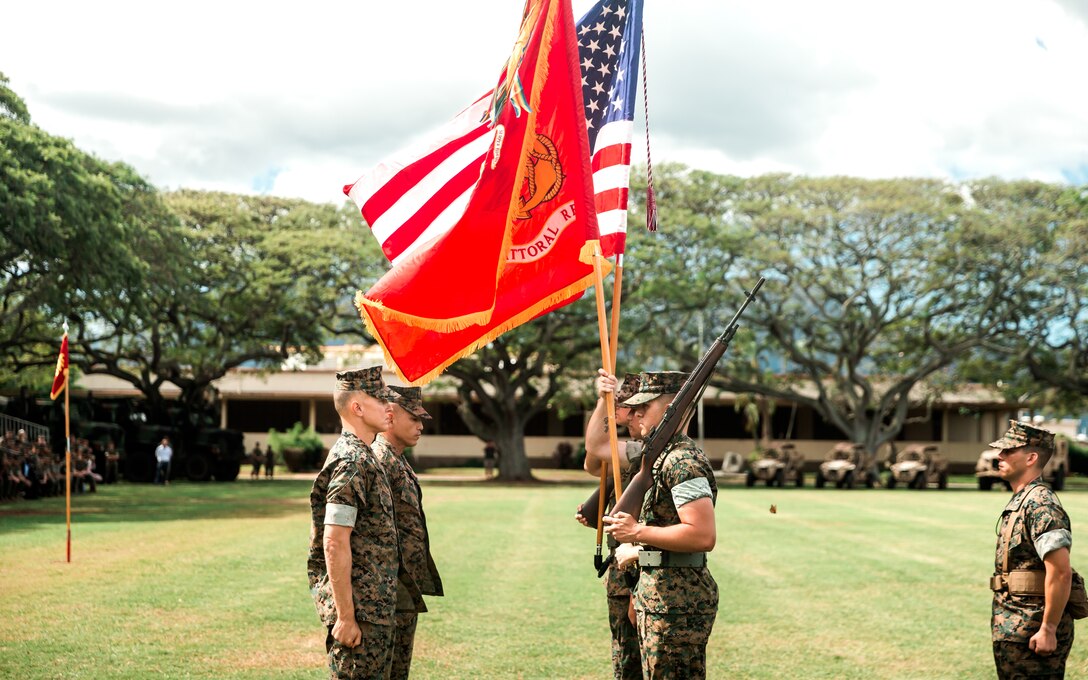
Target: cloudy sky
pixel 298 99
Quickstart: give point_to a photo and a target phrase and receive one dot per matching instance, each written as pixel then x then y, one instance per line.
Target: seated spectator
pixel 32 473
pixel 83 474
pixel 7 484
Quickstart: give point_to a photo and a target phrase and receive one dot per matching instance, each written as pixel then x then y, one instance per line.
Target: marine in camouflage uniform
pixel 419 575
pixel 351 491
pixel 1039 527
pixel 626 660
pixel 676 601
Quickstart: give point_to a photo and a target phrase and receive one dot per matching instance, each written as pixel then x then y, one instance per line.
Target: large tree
pixel 238 280
pixel 523 373
pixel 71 226
pixel 1055 350
pixel 874 289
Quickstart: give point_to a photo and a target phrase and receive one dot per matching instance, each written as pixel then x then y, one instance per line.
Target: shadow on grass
pixel 441 480
pixel 178 501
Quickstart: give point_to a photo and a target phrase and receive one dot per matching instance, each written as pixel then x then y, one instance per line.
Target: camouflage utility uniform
pixel 1040 527
pixel 419 575
pixel 626 660
pixel 676 606
pixel 351 490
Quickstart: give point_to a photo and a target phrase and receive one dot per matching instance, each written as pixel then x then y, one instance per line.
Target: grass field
pixel 208 581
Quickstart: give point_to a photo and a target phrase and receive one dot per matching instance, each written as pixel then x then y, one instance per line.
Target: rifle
pixel 677 414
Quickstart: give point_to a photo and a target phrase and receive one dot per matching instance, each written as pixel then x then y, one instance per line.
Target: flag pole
pixel 613 346
pixel 606 361
pixel 67 457
pixel 67 473
pixel 617 288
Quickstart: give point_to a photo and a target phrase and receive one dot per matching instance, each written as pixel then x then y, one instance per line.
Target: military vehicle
pixel 202 451
pixel 1054 473
pixel 777 465
pixel 847 465
pixel 917 467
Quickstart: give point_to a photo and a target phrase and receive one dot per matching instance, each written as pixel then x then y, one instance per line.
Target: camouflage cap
pixel 627 388
pixel 653 385
pixel 411 400
pixel 1023 434
pixel 367 380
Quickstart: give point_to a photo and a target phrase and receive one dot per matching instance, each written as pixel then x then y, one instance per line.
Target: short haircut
pixel 1044 454
pixel 341 399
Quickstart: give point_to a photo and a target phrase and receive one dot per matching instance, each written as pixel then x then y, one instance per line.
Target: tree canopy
pixel 71 227
pixel 879 293
pixel 241 280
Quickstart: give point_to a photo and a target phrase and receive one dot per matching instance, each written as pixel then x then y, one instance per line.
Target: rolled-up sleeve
pixel 340 515
pixel 1053 540
pixel 691 490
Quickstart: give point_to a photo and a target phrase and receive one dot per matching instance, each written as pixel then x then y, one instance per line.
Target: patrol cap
pixel 1023 434
pixel 653 385
pixel 411 400
pixel 627 388
pixel 367 380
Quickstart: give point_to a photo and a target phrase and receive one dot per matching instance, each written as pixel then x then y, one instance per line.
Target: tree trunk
pixel 512 461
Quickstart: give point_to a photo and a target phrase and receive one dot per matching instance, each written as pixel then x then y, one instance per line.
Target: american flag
pixel 609 41
pixel 419 194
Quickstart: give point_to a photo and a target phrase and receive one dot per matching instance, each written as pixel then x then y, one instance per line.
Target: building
pixel 255 401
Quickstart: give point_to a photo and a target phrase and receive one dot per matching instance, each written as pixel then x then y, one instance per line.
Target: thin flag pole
pixel 606 361
pixel 617 288
pixel 602 492
pixel 613 346
pixel 614 341
pixel 67 453
pixel 68 473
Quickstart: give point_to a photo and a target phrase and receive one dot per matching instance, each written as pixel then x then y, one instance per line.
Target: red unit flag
pixel 60 378
pixel 524 243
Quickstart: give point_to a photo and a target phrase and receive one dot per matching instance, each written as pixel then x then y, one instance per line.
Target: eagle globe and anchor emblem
pixel 543 181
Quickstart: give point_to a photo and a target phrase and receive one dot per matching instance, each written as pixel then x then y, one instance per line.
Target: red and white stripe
pixel 411 199
pixel 419 194
pixel 611 162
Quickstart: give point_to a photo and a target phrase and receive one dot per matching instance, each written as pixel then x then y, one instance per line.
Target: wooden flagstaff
pixel 613 346
pixel 67 473
pixel 602 497
pixel 60 382
pixel 606 361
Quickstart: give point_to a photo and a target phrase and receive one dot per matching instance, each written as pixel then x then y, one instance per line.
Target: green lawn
pixel 208 581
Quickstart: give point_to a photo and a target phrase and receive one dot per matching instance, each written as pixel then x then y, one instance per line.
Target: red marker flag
pixel 523 245
pixel 60 378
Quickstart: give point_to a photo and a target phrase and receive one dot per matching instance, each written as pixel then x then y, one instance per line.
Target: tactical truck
pixel 847 465
pixel 778 465
pixel 917 467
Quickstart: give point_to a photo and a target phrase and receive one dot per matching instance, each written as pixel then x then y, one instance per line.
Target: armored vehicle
pixel 917 467
pixel 778 465
pixel 847 465
pixel 201 450
pixel 1054 473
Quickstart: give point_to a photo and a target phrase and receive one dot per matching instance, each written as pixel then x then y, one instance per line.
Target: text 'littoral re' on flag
pixel 524 242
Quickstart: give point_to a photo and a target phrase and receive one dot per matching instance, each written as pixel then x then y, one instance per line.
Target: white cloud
pixel 300 99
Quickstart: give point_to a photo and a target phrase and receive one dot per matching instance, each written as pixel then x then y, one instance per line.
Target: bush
pixel 297 437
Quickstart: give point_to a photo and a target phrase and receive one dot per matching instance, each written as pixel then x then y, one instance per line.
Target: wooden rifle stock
pixel 678 413
pixel 593 502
